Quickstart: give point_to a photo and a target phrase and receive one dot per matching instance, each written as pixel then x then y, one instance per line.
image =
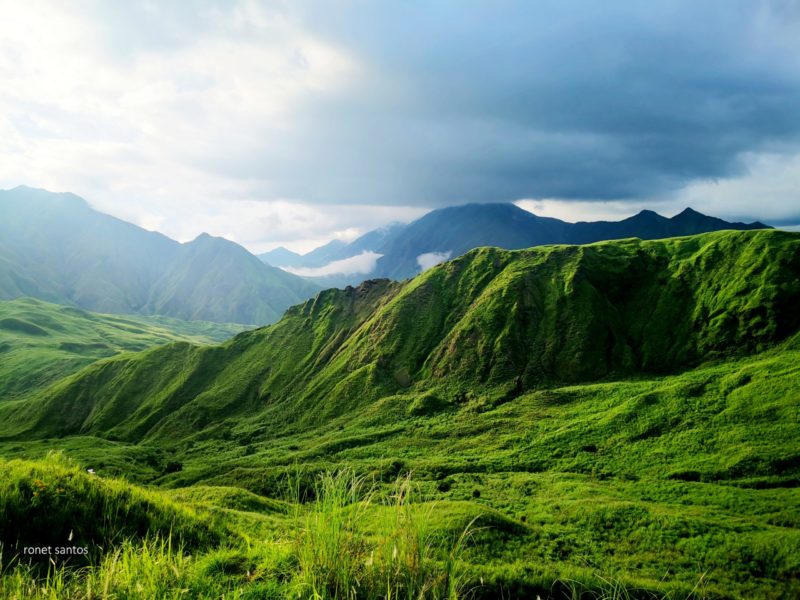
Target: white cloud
pixel 361 264
pixel 258 225
pixel 574 210
pixel 140 130
pixel 431 259
pixel 193 118
pixel 767 191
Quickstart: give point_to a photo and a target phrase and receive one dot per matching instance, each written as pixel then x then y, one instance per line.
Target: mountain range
pixel 335 250
pixel 516 320
pixel 56 248
pixel 627 404
pixel 405 250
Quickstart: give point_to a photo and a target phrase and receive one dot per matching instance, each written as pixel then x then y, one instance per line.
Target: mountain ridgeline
pixel 56 248
pixel 334 250
pixel 492 322
pixel 450 232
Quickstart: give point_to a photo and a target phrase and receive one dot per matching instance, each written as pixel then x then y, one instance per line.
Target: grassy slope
pixel 56 248
pixel 53 502
pixel 467 376
pixel 42 342
pixel 659 481
pixel 510 321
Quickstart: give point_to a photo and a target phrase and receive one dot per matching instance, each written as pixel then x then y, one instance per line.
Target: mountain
pixel 629 405
pixel 372 241
pixel 211 278
pixel 519 320
pixel 42 342
pixel 281 257
pixel 336 264
pixel 55 247
pixel 324 254
pixel 405 250
pixel 450 232
pixel 335 250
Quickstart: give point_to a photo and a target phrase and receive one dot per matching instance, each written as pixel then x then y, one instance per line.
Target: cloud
pixel 569 100
pixel 431 259
pixel 186 116
pixel 259 225
pixel 361 264
pixel 768 190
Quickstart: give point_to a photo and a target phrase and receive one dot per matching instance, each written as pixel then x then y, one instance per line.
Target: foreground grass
pixel 662 487
pixel 345 544
pixel 344 537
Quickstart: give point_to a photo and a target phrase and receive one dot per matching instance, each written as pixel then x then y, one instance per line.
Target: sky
pixel 292 123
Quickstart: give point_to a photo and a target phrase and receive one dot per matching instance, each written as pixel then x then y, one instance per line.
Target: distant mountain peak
pixel 60 249
pixel 207 238
pixel 689 214
pixel 46 196
pixel 689 211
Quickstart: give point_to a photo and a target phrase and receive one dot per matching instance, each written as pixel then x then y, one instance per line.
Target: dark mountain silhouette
pixel 453 231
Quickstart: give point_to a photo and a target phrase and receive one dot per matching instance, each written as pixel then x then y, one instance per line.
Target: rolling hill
pixel 42 342
pixel 493 318
pixel 56 248
pixel 611 420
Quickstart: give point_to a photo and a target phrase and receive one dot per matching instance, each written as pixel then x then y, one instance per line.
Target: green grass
pixel 492 321
pixel 345 544
pixel 41 343
pixel 56 503
pixel 654 484
pixel 607 421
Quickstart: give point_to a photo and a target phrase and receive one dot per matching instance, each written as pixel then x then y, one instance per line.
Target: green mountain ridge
pixel 56 248
pixel 616 420
pixel 515 320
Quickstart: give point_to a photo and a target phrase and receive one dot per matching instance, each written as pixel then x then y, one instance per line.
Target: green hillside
pixel 515 320
pixel 605 421
pixel 679 486
pixel 55 247
pixel 42 342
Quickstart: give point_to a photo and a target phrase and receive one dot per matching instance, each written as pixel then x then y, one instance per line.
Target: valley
pixel 41 342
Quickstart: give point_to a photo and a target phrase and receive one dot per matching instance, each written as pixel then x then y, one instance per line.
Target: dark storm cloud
pixel 465 101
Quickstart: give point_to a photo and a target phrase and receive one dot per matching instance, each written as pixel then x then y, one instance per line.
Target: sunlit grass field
pixel 678 486
pixel 617 420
